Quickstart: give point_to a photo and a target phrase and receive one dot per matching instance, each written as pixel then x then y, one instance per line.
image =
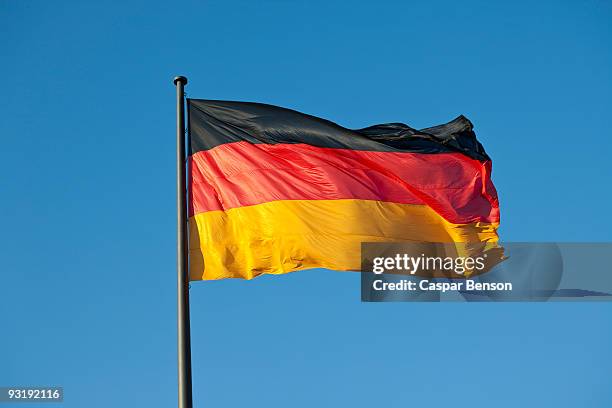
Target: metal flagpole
pixel 184 335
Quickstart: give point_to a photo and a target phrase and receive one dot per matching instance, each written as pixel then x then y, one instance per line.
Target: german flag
pixel 272 190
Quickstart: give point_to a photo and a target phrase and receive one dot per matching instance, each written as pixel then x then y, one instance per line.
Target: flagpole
pixel 184 335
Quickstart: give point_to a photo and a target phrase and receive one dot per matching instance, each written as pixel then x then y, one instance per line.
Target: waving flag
pixel 272 190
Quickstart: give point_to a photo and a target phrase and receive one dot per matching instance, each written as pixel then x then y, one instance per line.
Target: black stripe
pixel 212 123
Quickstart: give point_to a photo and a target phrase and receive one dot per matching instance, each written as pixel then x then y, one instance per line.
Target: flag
pixel 272 190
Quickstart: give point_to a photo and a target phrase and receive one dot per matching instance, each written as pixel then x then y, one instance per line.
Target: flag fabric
pixel 272 190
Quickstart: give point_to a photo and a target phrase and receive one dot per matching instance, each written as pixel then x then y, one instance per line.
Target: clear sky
pixel 87 199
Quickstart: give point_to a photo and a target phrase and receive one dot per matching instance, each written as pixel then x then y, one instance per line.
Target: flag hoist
pixel 263 189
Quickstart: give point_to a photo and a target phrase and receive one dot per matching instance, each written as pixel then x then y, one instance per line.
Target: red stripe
pixel 240 174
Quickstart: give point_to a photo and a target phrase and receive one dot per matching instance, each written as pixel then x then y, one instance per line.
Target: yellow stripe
pixel 290 235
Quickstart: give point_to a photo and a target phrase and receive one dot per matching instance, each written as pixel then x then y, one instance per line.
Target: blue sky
pixel 87 281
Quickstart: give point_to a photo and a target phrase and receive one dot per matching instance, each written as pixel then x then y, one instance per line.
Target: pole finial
pixel 180 79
